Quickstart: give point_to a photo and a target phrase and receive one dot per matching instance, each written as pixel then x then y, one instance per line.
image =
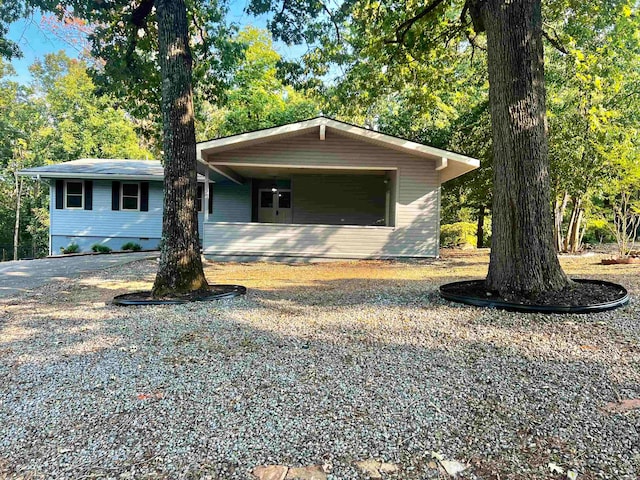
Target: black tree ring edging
pixel 449 292
pixel 215 292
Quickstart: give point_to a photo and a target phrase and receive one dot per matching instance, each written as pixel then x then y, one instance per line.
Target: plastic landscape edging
pixel 527 308
pixel 229 291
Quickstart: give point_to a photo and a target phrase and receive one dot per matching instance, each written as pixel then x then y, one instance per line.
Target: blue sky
pixel 35 41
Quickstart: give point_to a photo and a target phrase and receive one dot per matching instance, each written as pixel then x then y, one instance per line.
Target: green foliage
pixel 598 231
pixel 71 248
pixel 133 246
pixel 458 235
pixel 257 97
pixel 58 117
pixel 98 248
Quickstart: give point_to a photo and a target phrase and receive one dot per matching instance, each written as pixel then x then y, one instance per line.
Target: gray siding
pixel 416 211
pixel 231 203
pixel 106 226
pixel 338 199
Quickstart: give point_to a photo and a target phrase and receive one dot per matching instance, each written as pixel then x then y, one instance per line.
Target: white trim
pixel 323 131
pixel 66 207
pixel 442 163
pixel 289 165
pixel 138 197
pixel 283 225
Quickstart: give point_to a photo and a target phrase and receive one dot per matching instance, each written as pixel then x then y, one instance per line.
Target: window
pixel 199 198
pixel 266 199
pixel 130 196
pixel 284 199
pixel 74 194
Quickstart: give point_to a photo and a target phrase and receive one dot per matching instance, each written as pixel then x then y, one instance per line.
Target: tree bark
pixel 523 256
pixel 480 230
pixel 180 268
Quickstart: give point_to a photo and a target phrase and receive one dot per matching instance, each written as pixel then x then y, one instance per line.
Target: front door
pixel 275 206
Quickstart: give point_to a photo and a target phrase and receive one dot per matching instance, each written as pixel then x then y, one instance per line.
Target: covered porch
pixel 294 211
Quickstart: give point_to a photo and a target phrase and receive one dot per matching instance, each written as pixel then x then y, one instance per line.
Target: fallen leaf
pixel 622 406
pixel 452 467
pixel 388 467
pixel 555 468
pixel 571 475
pixel 370 467
pixel 270 472
pixel 313 472
pixel 588 347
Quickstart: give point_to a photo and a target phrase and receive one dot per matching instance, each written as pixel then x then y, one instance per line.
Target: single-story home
pixel 318 188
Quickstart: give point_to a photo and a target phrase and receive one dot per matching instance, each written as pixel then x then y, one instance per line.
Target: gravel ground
pixel 319 364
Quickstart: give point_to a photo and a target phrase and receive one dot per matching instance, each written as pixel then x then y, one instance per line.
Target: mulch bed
pixel 583 293
pixel 214 292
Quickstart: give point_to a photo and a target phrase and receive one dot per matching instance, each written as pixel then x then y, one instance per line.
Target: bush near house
pixel 100 248
pixel 132 246
pixel 458 235
pixel 71 248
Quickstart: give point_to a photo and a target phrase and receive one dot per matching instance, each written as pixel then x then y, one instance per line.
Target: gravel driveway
pixel 329 364
pixel 27 275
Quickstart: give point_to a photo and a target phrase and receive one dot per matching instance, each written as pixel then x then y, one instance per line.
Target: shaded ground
pixel 327 364
pixel 27 275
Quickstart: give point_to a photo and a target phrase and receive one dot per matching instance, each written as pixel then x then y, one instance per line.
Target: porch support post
pixel 206 195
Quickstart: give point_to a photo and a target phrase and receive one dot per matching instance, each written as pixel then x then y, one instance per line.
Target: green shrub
pixel 71 248
pixel 598 232
pixel 100 248
pixel 458 235
pixel 132 246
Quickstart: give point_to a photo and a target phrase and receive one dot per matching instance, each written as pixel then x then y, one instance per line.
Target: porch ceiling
pixel 286 172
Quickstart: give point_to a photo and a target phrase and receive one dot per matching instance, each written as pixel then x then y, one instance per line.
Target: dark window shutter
pixel 88 195
pixel 115 195
pixel 210 198
pixel 144 196
pixel 59 194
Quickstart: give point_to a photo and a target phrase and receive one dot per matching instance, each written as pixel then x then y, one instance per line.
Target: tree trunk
pixel 180 268
pixel 572 241
pixel 560 208
pixel 480 230
pixel 523 257
pixel 16 229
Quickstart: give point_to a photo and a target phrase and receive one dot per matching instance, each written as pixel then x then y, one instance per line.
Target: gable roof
pixel 450 164
pixel 102 169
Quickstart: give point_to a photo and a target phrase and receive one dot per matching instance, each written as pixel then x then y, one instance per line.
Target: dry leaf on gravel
pixel 314 472
pixel 622 406
pixel 375 468
pixel 270 472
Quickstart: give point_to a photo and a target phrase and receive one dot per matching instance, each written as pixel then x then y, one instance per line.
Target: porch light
pixel 274 188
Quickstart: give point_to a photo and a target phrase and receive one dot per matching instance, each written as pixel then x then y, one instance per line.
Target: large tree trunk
pixel 180 268
pixel 523 256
